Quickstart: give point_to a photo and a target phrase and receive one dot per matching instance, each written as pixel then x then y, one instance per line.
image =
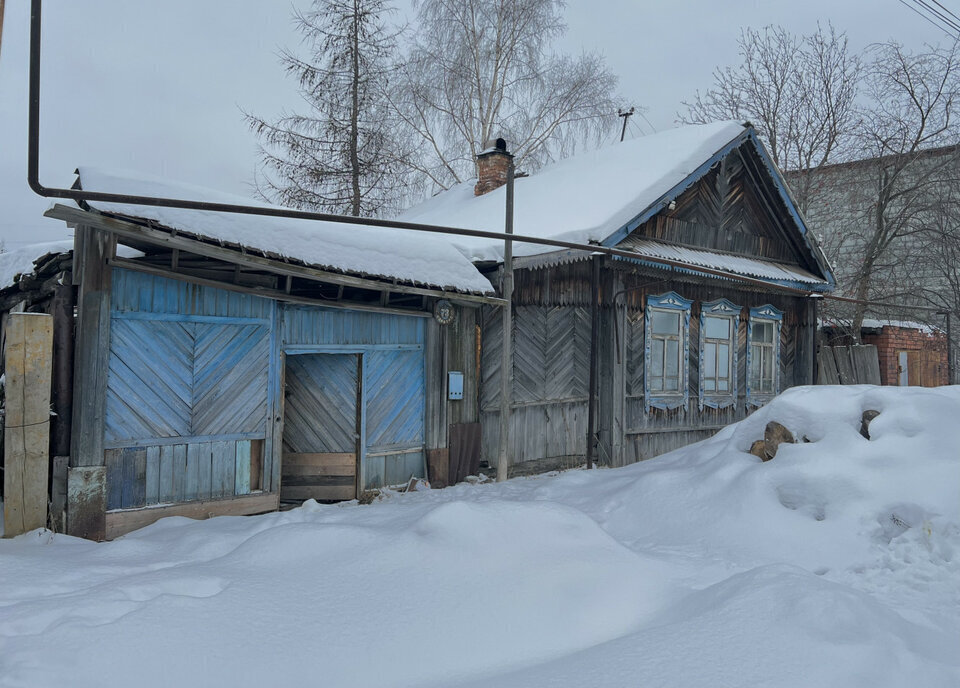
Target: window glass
pixel 762 332
pixel 723 360
pixel 709 362
pixel 716 328
pixel 755 367
pixel 710 385
pixel 723 385
pixel 665 322
pixel 672 363
pixel 766 383
pixel 656 358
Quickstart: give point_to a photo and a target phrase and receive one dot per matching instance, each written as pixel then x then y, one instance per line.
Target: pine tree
pixel 340 155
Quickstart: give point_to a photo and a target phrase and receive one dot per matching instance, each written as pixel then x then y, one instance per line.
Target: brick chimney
pixel 492 167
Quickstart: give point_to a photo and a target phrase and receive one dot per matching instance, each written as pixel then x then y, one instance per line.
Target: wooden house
pixel 711 312
pixel 220 363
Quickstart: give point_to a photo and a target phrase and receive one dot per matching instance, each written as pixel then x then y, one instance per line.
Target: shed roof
pixel 403 255
pixel 600 196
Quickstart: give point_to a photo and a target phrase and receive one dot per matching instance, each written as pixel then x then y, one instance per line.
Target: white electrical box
pixel 454 385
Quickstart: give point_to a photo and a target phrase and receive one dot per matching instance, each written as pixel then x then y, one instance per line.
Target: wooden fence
pixel 848 365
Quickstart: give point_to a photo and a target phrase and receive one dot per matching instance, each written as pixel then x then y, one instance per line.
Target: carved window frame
pixel 765 314
pixel 670 302
pixel 721 308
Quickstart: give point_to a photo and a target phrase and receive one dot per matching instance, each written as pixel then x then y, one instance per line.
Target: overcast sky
pixel 158 87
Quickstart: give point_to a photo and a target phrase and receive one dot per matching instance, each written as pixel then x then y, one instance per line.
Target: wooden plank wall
pixel 848 365
pixel 550 371
pixel 551 364
pixel 188 393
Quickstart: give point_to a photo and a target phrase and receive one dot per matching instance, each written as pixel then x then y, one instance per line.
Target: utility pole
pixel 626 115
pixel 1 25
pixel 506 357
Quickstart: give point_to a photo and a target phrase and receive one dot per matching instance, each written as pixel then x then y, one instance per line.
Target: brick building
pixel 910 353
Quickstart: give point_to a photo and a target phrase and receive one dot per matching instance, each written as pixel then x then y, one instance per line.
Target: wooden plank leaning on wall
pixel 28 367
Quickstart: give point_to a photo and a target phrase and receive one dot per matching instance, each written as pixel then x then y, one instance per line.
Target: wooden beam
pixel 164 238
pixel 86 501
pixel 257 291
pixel 121 522
pixel 61 308
pixel 85 507
pixel 28 362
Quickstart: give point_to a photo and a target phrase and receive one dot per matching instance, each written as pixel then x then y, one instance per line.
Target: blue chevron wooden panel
pixel 150 379
pixel 393 388
pixel 230 375
pixel 320 405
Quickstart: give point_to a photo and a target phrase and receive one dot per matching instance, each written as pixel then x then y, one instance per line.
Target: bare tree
pixel 798 91
pixel 908 122
pixel 481 69
pixel 341 154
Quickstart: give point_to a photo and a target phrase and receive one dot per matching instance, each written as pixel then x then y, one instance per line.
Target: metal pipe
pixel 506 355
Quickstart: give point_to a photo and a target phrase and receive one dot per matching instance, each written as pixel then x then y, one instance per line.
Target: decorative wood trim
pixel 122 522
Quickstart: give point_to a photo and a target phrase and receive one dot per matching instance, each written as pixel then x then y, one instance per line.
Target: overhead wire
pixel 919 7
pixel 937 13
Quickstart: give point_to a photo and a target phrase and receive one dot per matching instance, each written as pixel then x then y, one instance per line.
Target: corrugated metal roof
pixel 740 265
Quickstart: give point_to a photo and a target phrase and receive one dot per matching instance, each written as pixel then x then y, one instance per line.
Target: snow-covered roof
pixel 21 260
pixel 585 198
pixel 872 323
pixel 408 256
pixel 750 267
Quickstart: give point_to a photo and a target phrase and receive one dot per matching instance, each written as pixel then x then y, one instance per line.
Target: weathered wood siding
pixel 191 392
pixel 551 365
pixel 195 383
pixel 392 394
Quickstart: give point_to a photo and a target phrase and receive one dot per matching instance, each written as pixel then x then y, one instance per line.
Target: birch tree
pixel 911 112
pixel 340 154
pixel 799 92
pixel 482 69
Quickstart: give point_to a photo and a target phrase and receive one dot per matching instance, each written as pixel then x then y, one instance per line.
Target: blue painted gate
pixel 393 390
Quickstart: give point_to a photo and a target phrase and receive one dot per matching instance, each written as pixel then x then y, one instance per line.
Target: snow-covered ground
pixel 835 564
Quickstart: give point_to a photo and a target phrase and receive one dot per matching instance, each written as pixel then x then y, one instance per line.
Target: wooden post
pixel 86 484
pixel 594 361
pixel 28 365
pixel 506 367
pixel 61 308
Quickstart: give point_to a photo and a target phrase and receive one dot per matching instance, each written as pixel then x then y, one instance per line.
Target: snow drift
pixel 833 564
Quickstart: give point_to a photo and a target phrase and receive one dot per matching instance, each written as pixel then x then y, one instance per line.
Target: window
pixel 719 321
pixel 763 353
pixel 667 322
pixel 665 347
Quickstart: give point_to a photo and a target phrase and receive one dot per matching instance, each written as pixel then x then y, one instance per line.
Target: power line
pixel 952 31
pixel 940 15
pixel 946 10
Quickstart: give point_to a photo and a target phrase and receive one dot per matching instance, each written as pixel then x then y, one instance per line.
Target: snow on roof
pixel 23 259
pixel 585 198
pixel 905 324
pixel 871 323
pixel 750 267
pixel 390 253
pixel 20 260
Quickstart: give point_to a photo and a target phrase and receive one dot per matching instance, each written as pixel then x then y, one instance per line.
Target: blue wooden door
pixel 320 427
pixel 393 394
